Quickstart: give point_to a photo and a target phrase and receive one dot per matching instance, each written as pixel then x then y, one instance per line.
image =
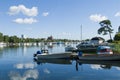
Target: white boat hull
pixel 56 55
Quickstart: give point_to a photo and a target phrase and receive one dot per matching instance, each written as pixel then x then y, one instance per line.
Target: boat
pixel 92 45
pixel 45 55
pixel 104 53
pixel 86 47
pixel 104 50
pixel 69 49
pixel 100 57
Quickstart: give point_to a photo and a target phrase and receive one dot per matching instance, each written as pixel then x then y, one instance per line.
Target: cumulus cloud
pixel 45 14
pixel 97 17
pixel 25 20
pixel 117 14
pixel 13 10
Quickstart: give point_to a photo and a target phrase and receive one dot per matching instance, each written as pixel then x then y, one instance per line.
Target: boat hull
pixel 57 56
pixel 101 57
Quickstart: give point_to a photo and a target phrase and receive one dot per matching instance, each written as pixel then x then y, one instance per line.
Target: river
pixel 17 63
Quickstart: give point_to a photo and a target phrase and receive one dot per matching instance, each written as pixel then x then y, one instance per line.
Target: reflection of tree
pixel 1 52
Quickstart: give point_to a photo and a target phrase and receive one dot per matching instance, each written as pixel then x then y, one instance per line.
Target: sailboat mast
pixel 81 32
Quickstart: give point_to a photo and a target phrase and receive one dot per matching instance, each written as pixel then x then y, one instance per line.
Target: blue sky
pixel 59 18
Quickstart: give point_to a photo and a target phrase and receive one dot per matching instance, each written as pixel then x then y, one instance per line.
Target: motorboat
pixel 104 53
pixel 104 50
pixel 69 49
pixel 100 57
pixel 63 55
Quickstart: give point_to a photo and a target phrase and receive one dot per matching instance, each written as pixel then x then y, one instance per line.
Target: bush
pixel 117 37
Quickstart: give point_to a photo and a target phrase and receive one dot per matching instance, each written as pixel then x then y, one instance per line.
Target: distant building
pixel 50 38
pixel 23 36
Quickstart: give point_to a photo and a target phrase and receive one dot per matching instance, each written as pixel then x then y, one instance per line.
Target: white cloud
pixel 13 10
pixel 97 17
pixel 25 21
pixel 117 14
pixel 45 14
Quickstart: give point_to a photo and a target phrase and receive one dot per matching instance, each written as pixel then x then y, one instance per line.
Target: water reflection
pixel 25 65
pixel 53 61
pixel 17 64
pixel 27 75
pixel 97 65
pixel 100 64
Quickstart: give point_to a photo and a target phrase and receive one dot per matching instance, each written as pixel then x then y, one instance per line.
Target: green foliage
pixel 1 37
pixel 117 37
pixel 15 39
pixel 105 28
pixel 6 39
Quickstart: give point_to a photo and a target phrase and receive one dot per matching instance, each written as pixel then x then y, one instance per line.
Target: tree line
pixel 15 39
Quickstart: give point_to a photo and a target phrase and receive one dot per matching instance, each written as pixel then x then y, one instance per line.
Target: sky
pixel 62 19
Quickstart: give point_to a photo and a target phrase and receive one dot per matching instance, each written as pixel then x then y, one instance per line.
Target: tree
pixel 6 38
pixel 106 28
pixel 1 37
pixel 117 37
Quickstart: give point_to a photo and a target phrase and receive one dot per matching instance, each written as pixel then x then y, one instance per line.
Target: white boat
pixel 46 55
pixel 104 50
pixel 69 48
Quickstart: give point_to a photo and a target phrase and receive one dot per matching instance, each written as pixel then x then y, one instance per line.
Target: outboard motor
pixel 38 52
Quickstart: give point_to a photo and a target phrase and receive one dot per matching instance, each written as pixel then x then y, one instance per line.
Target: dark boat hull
pixel 101 57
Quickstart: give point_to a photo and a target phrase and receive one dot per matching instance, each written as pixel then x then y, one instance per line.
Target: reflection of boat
pixel 107 63
pixel 53 61
pixel 46 55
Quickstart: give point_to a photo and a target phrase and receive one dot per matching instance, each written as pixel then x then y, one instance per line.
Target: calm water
pixel 17 63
